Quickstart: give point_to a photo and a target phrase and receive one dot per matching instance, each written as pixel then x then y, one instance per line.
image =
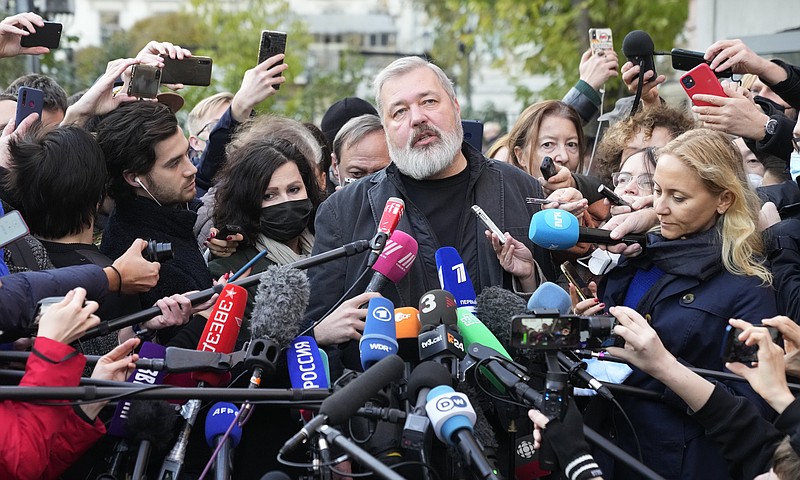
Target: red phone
pixel 701 79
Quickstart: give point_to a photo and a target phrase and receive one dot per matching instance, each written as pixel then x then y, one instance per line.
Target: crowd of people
pixel 100 175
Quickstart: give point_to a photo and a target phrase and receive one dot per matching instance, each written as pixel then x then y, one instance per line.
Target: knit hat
pixel 340 112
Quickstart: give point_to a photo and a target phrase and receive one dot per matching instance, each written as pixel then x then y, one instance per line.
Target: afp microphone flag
pixel 380 334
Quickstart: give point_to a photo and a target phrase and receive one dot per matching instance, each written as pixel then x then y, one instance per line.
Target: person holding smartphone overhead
pixel 703 267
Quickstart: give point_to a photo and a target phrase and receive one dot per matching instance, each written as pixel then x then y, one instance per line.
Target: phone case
pixel 600 39
pixel 701 79
pixel 12 227
pixel 473 133
pixel 29 100
pixel 548 168
pixel 145 80
pixel 47 36
pixel 272 43
pixel 686 60
pixel 189 71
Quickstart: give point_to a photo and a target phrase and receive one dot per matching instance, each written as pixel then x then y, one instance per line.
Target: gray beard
pixel 428 160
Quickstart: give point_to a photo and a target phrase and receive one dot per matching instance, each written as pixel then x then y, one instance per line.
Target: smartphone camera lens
pixel 688 81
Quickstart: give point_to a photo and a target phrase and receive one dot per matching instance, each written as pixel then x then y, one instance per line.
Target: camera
pixel 688 81
pixel 548 330
pixel 157 251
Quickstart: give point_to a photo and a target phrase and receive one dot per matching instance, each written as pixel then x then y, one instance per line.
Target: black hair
pixel 55 97
pixel 58 175
pixel 128 136
pixel 245 176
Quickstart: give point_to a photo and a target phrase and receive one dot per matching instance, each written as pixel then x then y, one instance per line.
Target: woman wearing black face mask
pixel 268 188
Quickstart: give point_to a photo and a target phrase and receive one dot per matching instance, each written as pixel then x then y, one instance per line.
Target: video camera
pixel 549 330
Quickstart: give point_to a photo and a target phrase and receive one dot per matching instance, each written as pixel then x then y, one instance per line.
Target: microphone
pixel 281 299
pixel 454 278
pixel 220 335
pixel 549 296
pixel 474 331
pixel 496 307
pixel 407 326
pixel 638 48
pixel 152 423
pixel 416 431
pixel 275 475
pixel 439 339
pixel 343 404
pixel 306 367
pixel 380 336
pixel 559 230
pixel 452 418
pixel 220 417
pixel 437 307
pixel 392 213
pixel 394 262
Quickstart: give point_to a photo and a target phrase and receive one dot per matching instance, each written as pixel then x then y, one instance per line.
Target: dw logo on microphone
pixel 445 403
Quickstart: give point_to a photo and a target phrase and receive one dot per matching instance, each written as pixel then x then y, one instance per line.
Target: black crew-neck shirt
pixel 442 203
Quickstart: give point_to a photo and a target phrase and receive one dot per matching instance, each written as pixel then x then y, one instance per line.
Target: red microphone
pixel 390 218
pixel 222 330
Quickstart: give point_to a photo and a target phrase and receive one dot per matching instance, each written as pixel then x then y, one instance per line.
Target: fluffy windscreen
pixel 280 303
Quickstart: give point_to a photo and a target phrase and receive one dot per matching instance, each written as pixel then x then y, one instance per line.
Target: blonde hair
pixel 272 127
pixel 203 107
pixel 718 164
pixel 526 129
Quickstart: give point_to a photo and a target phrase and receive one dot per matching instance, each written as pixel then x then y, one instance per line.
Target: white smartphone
pixel 478 211
pixel 12 227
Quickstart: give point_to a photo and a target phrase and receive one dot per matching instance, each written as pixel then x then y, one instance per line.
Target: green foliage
pixel 547 36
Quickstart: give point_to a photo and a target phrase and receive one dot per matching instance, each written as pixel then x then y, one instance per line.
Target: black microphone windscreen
pixel 154 421
pixel 343 404
pixel 427 375
pixel 637 43
pixel 276 475
pixel 280 303
pixel 495 307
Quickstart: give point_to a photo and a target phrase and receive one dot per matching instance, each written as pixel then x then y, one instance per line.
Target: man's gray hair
pixel 355 130
pixel 404 65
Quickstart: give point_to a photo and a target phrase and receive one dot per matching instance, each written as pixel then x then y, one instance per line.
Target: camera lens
pixel 157 251
pixel 688 82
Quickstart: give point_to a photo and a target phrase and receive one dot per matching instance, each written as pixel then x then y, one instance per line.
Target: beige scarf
pixel 282 254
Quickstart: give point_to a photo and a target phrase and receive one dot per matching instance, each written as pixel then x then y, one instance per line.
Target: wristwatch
pixel 771 127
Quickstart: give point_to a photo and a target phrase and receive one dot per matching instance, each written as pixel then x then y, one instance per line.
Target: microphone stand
pixel 104 328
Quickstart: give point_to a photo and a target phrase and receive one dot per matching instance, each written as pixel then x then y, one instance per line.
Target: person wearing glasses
pixel 202 119
pixel 634 181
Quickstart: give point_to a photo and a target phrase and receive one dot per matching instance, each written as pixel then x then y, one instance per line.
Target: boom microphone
pixel 343 404
pixel 380 335
pixel 454 278
pixel 394 262
pixel 392 213
pixel 559 230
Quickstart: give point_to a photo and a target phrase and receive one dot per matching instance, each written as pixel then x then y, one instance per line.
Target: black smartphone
pixel 29 100
pixel 145 80
pixel 545 332
pixel 576 280
pixel 612 197
pixel 188 71
pixel 47 36
pixel 473 133
pixel 272 43
pixel 12 227
pixel 688 59
pixel 734 350
pixel 548 168
pixel 227 230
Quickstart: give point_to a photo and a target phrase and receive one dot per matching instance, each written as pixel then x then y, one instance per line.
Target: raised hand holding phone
pixel 257 85
pixel 13 29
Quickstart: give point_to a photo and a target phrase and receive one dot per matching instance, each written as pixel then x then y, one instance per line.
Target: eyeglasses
pixel 207 130
pixel 644 181
pixel 796 144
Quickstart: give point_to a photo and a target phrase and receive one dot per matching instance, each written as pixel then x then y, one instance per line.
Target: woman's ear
pixel 726 199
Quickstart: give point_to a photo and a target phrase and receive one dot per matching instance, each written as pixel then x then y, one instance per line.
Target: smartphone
pixel 272 43
pixel 229 230
pixel 47 36
pixel 145 80
pixel 29 100
pixel 576 280
pixel 12 227
pixel 542 201
pixel 473 133
pixel 43 305
pixel 545 332
pixel 611 196
pixel 686 60
pixel 600 39
pixel 548 168
pixel 478 211
pixel 734 350
pixel 189 71
pixel 701 79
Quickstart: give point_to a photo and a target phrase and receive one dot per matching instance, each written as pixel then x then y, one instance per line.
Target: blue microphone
pixel 380 334
pixel 454 278
pixel 306 366
pixel 559 230
pixel 549 296
pixel 219 419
